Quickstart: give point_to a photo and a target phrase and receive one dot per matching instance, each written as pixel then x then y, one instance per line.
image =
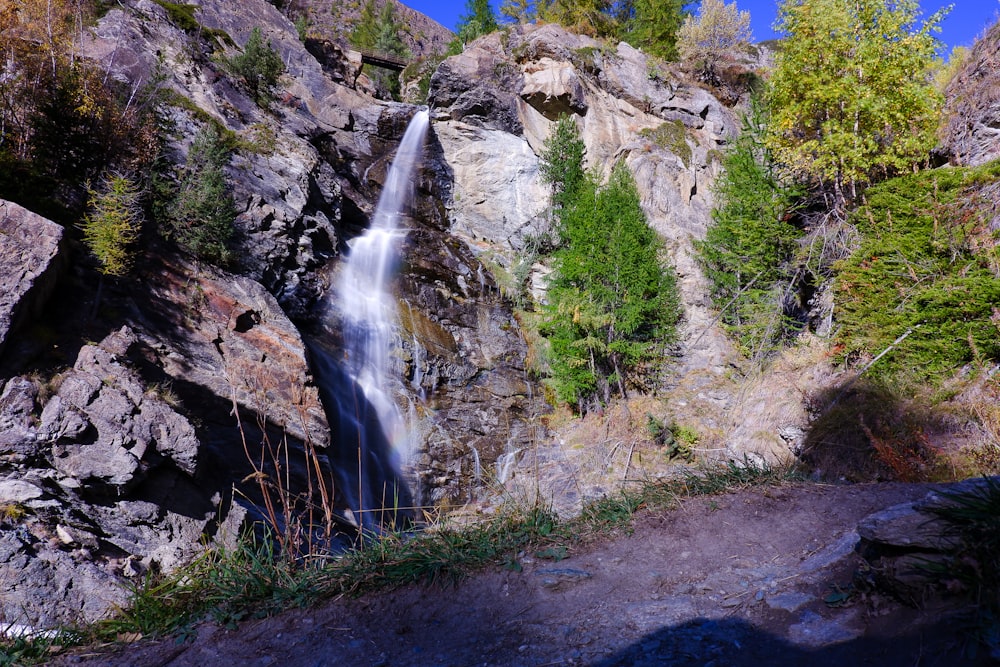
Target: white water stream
pixel 364 290
pixel 373 440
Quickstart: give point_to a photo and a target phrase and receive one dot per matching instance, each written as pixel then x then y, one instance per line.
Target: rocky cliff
pixel 971 135
pixel 138 421
pixel 183 378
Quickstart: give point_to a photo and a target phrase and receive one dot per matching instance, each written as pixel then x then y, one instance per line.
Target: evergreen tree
pixel 562 163
pixel 387 39
pixel 378 30
pixel 749 246
pixel 653 25
pixel 518 11
pixel 851 93
pixel 479 20
pixel 613 304
pixel 258 67
pixel 365 32
pixel 113 223
pixel 199 213
pixel 586 17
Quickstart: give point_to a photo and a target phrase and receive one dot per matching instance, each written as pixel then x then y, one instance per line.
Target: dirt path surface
pixel 739 579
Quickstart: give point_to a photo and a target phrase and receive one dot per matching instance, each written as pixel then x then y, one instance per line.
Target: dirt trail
pixel 739 579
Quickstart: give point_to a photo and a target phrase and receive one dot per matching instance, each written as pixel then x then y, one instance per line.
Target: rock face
pixel 117 497
pixel 30 263
pixel 105 429
pixel 972 133
pixel 305 188
pixel 904 543
pixel 496 103
pixel 126 460
pixel 226 335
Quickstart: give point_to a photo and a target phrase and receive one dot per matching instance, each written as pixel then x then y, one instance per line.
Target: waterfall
pixel 364 293
pixel 371 436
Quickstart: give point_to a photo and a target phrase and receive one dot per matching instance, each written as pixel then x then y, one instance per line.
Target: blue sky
pixel 967 20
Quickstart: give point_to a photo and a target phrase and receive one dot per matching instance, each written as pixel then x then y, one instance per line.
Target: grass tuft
pixel 972 566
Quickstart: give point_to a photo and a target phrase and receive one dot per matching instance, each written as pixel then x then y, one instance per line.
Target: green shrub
pixel 613 301
pixel 198 212
pixel 748 249
pixel 113 224
pixel 182 15
pixel 258 67
pixel 671 135
pixel 561 163
pixel 928 265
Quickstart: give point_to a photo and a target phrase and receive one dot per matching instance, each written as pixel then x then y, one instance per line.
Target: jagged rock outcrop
pixel 301 156
pixel 310 188
pixel 227 336
pixel 972 133
pixel 463 351
pixel 118 496
pixel 30 263
pixel 105 430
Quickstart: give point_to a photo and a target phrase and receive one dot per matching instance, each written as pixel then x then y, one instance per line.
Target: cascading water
pixel 364 292
pixel 372 437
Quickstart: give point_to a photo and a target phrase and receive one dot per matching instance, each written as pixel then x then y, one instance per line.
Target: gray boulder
pixel 102 423
pixel 30 263
pixel 902 544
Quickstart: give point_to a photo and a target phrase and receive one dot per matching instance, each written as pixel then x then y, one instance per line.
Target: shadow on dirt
pixel 865 431
pixel 736 643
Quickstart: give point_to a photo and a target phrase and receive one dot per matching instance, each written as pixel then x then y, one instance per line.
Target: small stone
pixel 554 578
pixel 64 535
pixel 18 491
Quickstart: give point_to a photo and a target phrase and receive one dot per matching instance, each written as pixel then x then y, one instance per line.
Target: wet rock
pixel 30 264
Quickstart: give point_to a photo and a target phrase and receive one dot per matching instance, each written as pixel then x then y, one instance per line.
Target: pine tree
pixel 562 163
pixel 365 32
pixel 613 303
pixel 479 20
pixel 200 212
pixel 258 67
pixel 378 30
pixel 113 223
pixel 851 93
pixel 387 39
pixel 586 17
pixel 653 25
pixel 747 250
